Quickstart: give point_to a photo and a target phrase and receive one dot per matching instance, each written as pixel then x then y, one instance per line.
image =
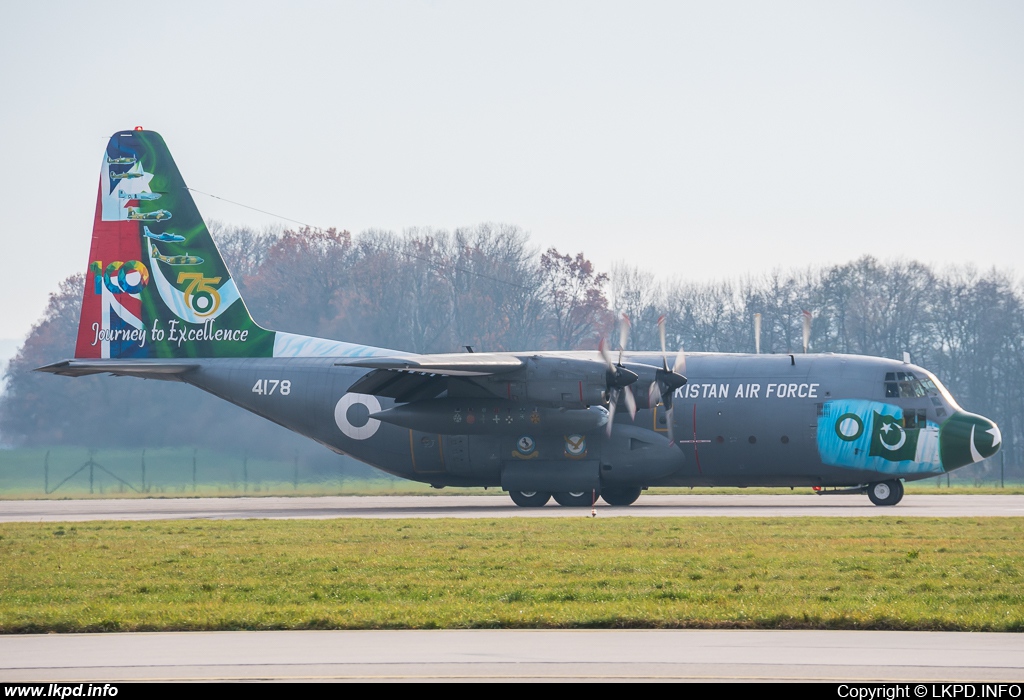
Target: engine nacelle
pixel 464 416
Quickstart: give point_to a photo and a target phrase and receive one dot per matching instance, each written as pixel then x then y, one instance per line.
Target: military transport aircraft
pixel 573 425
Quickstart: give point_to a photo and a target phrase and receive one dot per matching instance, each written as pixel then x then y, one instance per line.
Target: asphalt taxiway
pixel 518 655
pixel 500 506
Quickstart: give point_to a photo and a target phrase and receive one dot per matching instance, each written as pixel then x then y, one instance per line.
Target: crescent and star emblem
pixel 887 428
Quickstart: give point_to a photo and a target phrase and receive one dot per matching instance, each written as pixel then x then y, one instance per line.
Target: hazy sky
pixel 704 140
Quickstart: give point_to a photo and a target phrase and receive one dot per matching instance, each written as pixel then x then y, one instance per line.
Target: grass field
pixel 824 573
pixel 186 472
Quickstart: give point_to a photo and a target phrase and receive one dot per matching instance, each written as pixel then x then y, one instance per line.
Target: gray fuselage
pixel 741 420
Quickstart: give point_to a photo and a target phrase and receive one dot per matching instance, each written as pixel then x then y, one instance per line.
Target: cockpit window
pixel 943 391
pixel 904 385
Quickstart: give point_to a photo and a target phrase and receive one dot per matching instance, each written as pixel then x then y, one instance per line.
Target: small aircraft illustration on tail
pixel 175 259
pixel 126 175
pixel 162 237
pixel 145 196
pixel 135 214
pixel 575 426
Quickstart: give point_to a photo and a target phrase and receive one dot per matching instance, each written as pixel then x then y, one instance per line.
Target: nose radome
pixel 967 438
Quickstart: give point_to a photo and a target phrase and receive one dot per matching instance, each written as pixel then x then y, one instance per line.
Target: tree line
pixel 428 290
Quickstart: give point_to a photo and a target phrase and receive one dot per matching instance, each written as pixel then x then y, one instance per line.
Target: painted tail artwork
pixel 156 285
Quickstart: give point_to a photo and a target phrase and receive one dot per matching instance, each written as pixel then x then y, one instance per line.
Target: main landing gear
pixel 575 499
pixel 621 496
pixel 886 493
pixel 529 499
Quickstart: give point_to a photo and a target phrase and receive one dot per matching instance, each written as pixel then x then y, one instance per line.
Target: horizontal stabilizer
pixel 459 364
pixel 147 369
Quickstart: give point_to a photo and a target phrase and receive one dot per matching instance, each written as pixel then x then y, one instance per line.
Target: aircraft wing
pixel 415 377
pixel 456 364
pixel 147 369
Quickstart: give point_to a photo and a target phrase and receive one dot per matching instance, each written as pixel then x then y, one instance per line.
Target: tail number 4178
pixel 266 387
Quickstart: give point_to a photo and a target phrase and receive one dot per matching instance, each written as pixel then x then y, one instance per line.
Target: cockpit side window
pixel 904 385
pixel 892 389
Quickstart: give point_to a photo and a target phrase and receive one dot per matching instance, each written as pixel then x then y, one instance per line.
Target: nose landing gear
pixel 886 493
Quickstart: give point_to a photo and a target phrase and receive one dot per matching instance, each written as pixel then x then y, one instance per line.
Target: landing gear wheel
pixel 575 499
pixel 529 499
pixel 886 493
pixel 621 496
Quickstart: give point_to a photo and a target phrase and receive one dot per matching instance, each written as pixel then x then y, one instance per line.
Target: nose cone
pixel 967 438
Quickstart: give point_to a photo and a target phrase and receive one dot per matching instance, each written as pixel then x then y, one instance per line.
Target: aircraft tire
pixel 886 493
pixel 575 499
pixel 622 496
pixel 529 499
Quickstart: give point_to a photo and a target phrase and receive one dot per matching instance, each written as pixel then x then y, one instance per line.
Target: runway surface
pixel 573 655
pixel 500 506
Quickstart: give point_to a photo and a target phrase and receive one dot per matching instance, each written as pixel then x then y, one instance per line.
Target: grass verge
pixel 821 573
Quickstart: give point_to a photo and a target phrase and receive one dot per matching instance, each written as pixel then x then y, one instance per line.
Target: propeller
pixel 666 380
pixel 619 378
pixel 757 333
pixel 807 330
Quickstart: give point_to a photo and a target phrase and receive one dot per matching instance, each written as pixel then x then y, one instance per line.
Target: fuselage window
pixel 915 418
pixel 909 419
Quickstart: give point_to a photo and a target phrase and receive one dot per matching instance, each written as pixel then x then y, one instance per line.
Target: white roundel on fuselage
pixel 352 414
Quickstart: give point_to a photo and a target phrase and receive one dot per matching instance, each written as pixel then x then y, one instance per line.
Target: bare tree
pixel 574 294
pixel 636 294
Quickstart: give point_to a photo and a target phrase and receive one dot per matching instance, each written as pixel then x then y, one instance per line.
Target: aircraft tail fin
pixel 156 285
pixel 139 303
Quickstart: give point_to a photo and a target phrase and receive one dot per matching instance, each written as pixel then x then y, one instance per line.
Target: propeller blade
pixel 661 333
pixel 624 326
pixel 654 394
pixel 757 333
pixel 613 400
pixel 807 330
pixel 680 364
pixel 668 424
pixel 606 355
pixel 630 403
